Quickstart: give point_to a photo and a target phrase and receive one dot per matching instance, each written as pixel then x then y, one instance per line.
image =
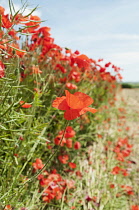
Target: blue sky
pixel 106 29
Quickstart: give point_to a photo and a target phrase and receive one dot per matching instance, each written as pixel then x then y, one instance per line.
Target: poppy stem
pixel 49 159
pixel 41 170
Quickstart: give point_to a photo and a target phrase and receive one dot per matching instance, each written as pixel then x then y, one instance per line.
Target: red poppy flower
pixel 38 164
pixel 78 173
pixel 72 165
pixel 77 145
pixel 58 140
pixel 77 52
pixel 71 86
pixel 82 61
pixel 61 68
pixel 112 186
pixel 73 207
pixel 127 189
pixel 69 132
pixel 8 207
pixel 6 22
pixel 74 105
pixel 2 10
pixel 35 70
pixel 13 33
pixel 134 207
pixel 25 105
pixel 1 69
pixel 116 170
pixel 44 30
pixel 34 22
pixel 63 158
pixel 17 50
pixel 69 143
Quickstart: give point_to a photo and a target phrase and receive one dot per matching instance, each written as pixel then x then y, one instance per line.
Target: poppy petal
pixel 88 109
pixel 82 57
pixel 73 101
pixel 71 114
pixel 58 101
pixel 87 100
pixel 93 110
pixel 63 105
pixel 25 105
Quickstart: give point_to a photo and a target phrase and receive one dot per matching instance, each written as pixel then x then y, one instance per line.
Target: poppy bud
pixel 77 145
pixel 69 143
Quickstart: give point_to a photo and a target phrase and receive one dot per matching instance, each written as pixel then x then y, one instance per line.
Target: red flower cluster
pixel 118 170
pixel 52 183
pixel 63 158
pixel 69 133
pixel 122 149
pixel 127 189
pixel 67 141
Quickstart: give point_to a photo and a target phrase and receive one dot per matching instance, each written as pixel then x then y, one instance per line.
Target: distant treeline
pixel 130 85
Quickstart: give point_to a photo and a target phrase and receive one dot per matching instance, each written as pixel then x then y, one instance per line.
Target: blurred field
pixel 132 97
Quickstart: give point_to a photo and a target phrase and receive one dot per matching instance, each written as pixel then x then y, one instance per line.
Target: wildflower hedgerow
pixel 40 149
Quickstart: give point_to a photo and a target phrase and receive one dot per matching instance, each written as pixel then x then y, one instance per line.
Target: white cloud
pixel 128 61
pixel 125 58
pixel 86 39
pixel 114 37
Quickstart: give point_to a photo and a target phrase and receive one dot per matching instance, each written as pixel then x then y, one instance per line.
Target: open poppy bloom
pixel 74 105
